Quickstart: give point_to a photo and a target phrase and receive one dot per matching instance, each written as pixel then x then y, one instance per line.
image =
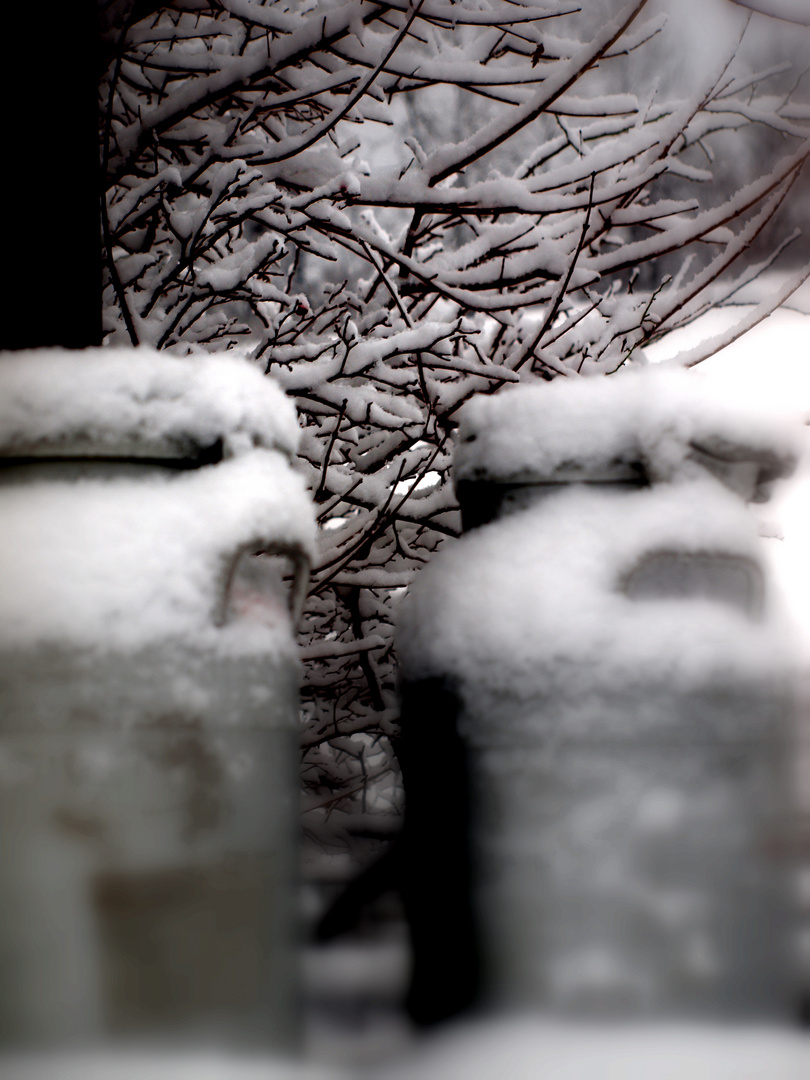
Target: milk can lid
pixel 653 424
pixel 138 404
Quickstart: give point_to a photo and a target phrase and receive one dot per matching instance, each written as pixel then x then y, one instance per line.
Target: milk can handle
pixel 301 567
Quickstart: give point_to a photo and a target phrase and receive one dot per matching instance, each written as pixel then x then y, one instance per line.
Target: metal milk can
pixel 148 699
pixel 605 635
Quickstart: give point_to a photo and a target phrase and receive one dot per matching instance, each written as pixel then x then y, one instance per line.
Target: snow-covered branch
pixel 391 205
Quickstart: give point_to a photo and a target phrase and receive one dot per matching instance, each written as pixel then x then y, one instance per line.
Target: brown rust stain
pixel 180 944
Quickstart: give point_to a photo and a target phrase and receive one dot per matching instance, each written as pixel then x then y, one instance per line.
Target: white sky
pixel 769 366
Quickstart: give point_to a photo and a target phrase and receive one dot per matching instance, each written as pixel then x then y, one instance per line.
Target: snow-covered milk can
pixel 148 699
pixel 605 635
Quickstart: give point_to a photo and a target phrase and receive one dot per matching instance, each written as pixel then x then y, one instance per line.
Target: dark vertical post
pixel 436 871
pixel 50 177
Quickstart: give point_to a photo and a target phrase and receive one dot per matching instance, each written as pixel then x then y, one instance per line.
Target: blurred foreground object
pixel 138 1065
pixel 526 1048
pixel 621 680
pixel 149 687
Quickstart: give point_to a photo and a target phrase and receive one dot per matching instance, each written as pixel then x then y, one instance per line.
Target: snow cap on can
pixel 646 425
pixel 138 403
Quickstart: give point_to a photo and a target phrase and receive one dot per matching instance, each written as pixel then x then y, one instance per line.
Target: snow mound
pixel 125 560
pixel 541 595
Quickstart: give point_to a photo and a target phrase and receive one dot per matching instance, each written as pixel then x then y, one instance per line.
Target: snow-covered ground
pixel 517 1048
pixel 153 1065
pixel 522 1048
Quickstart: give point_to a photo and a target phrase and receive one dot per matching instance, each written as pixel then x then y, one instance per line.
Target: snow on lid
pixel 138 403
pixel 124 561
pixel 657 423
